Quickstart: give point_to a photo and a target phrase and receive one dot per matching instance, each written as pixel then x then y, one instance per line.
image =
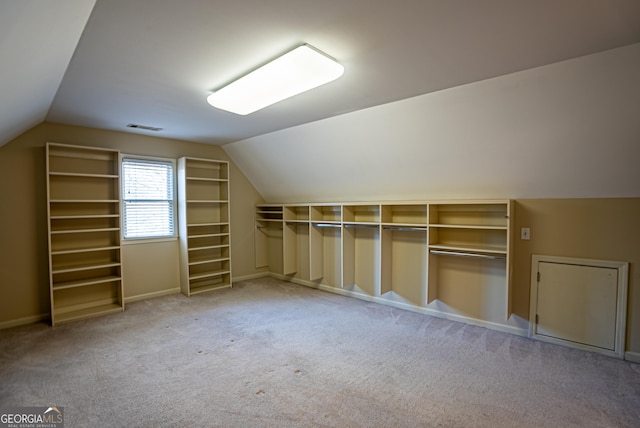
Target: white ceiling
pixel 153 62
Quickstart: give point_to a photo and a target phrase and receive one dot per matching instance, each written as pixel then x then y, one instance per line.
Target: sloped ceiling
pixel 565 130
pixel 37 40
pixel 153 62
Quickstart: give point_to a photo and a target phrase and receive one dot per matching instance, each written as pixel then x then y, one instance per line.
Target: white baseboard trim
pixel 24 321
pixel 249 277
pixel 633 357
pixel 151 295
pixel 426 311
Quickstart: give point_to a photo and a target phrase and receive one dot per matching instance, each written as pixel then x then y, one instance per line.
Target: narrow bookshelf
pixel 203 209
pixel 83 208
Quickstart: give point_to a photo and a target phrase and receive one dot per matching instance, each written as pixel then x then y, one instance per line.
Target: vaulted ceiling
pixel 107 63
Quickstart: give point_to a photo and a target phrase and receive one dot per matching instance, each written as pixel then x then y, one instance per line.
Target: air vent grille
pixel 144 127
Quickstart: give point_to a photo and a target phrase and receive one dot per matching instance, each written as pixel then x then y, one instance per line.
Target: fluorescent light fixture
pixel 295 72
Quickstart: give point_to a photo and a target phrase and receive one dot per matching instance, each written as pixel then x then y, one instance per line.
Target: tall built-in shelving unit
pixel 83 207
pixel 452 257
pixel 325 245
pixel 471 236
pixel 203 209
pixel 404 252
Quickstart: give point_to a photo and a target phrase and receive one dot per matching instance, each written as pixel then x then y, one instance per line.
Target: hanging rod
pixel 405 228
pixel 473 255
pixel 360 226
pixel 326 225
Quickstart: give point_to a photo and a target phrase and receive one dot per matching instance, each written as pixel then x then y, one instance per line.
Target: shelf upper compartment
pixel 468 226
pixel 473 248
pixel 85 282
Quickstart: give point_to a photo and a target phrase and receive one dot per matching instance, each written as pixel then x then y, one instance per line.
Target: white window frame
pixel 142 239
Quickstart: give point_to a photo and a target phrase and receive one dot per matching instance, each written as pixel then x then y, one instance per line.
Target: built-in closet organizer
pixel 361 248
pixel 269 238
pixel 469 257
pixel 203 205
pixel 325 245
pixel 404 253
pixel 83 207
pixel 295 236
pixel 448 258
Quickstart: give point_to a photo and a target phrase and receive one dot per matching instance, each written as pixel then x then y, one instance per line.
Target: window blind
pixel 148 198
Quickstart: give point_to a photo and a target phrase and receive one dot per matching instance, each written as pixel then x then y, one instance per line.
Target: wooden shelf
pixel 82 175
pixel 89 312
pixel 83 188
pixel 475 248
pixel 203 190
pixel 394 251
pixel 85 282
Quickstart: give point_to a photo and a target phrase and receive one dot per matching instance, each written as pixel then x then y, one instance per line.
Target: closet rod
pixel 474 255
pixel 405 228
pixel 326 225
pixel 360 226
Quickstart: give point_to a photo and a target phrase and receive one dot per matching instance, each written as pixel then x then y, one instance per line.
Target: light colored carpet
pixel 270 353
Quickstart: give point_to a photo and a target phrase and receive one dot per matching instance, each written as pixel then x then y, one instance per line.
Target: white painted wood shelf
pixel 83 208
pixel 412 254
pixel 204 223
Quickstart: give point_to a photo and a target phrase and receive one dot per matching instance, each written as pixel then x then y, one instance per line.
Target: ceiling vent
pixel 144 127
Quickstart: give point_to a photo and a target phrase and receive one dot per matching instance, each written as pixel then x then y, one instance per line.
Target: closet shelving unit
pixel 361 248
pixel 416 253
pixel 296 241
pixel 325 245
pixel 475 235
pixel 404 252
pixel 203 205
pixel 269 237
pixel 83 208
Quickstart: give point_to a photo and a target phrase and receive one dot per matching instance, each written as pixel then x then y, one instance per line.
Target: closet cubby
pixel 325 259
pixel 83 210
pixel 361 213
pixel 203 206
pixel 405 214
pixel 326 213
pixel 296 249
pixel 361 258
pixel 404 264
pixel 470 243
pixel 269 213
pixel 296 213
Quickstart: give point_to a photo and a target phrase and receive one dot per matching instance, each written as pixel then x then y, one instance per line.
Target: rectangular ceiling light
pixel 295 72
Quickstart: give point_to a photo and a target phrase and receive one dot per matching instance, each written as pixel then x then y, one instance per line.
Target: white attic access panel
pixel 579 303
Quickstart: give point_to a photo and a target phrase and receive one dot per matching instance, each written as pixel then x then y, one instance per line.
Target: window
pixel 148 198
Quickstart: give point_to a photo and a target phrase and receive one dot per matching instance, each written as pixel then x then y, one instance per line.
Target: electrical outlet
pixel 525 233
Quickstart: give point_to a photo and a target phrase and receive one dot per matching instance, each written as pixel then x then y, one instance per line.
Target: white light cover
pixel 295 72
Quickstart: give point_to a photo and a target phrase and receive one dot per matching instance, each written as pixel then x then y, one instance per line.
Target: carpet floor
pixel 268 353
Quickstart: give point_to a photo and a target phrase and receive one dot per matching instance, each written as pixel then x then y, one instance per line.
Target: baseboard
pixel 426 311
pixel 632 357
pixel 151 295
pixel 24 321
pixel 249 277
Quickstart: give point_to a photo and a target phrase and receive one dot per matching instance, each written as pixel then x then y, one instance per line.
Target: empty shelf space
pixel 491 249
pixel 468 226
pixel 61 316
pixel 85 282
pixel 81 267
pixel 60 232
pixel 198 276
pixel 218 180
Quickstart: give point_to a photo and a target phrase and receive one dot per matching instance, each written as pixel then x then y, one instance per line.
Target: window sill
pixel 134 241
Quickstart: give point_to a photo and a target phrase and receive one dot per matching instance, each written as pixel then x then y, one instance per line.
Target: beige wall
pixel 605 229
pixel 148 269
pixel 586 228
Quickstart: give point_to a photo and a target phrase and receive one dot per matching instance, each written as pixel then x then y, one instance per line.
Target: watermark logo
pixel 32 417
